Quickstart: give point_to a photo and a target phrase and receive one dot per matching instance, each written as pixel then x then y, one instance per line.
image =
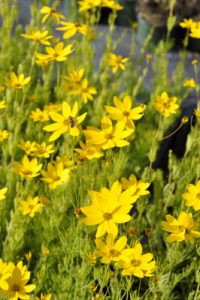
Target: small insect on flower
pixel 17 82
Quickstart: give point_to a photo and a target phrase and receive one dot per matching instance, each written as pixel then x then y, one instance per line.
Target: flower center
pixel 109 136
pixel 15 288
pixel 135 262
pixel 114 252
pixel 126 113
pixel 27 172
pixel 107 216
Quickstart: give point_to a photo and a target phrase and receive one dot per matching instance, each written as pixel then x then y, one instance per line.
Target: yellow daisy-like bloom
pixel 195 31
pixel 43 150
pixel 2 104
pixel 112 4
pixel 56 174
pixel 27 146
pixel 65 123
pixel 139 187
pixel 55 107
pixel 187 23
pixel 58 53
pixel 124 112
pixel 28 169
pixel 75 76
pixel 28 255
pixel 31 206
pixel 5 273
pixel 17 82
pixel 190 83
pixel 17 282
pixel 197 113
pixel 111 250
pixel 109 136
pixel 192 197
pixel 108 208
pixel 3 135
pixel 88 151
pixel 38 36
pixel 82 89
pixel 182 229
pixel 3 191
pixel 73 28
pixel 39 115
pixel 88 4
pixel 133 262
pixel 116 62
pixel 44 297
pixel 166 105
pixel 50 12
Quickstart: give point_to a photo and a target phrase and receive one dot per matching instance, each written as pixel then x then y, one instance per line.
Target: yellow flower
pixel 181 229
pixel 2 104
pixel 44 297
pixel 83 90
pixel 88 4
pixel 140 187
pixel 17 282
pixel 3 191
pixel 3 135
pixel 17 82
pixel 65 123
pixel 124 111
pixel 75 76
pixel 49 12
pixel 43 150
pixel 31 206
pixel 197 113
pixel 195 32
pixel 5 273
pixel 166 105
pixel 28 255
pixel 112 4
pixel 72 28
pixel 28 168
pixel 187 23
pixel 108 208
pixel 38 36
pixel 116 62
pixel 133 262
pixel 192 197
pixel 58 53
pixel 39 115
pixel 56 174
pixel 27 146
pixel 109 136
pixel 88 151
pixel 111 250
pixel 190 83
pixel 56 107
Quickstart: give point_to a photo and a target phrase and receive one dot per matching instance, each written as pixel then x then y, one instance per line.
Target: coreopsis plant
pixel 73 28
pixel 133 262
pixel 31 206
pixel 109 136
pixel 181 229
pixel 27 169
pixel 192 196
pixel 124 112
pixel 39 115
pixel 140 186
pixel 17 82
pixel 111 249
pixel 50 12
pixel 3 192
pixel 116 62
pixel 43 150
pixel 27 146
pixel 85 5
pixel 3 135
pixel 58 53
pixel 88 151
pixel 166 105
pixel 5 273
pixel 189 83
pixel 84 90
pixel 66 123
pixel 41 37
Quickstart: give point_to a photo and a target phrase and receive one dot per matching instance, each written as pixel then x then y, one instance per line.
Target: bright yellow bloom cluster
pixel 166 105
pixel 73 28
pixel 31 206
pixel 85 5
pixel 140 187
pixel 57 174
pixel 66 123
pixel 192 26
pixel 192 196
pixel 116 62
pixel 181 229
pixel 3 191
pixel 38 36
pixel 38 150
pixel 3 135
pixel 17 82
pixel 14 280
pixel 28 169
pixel 124 112
pixel 77 85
